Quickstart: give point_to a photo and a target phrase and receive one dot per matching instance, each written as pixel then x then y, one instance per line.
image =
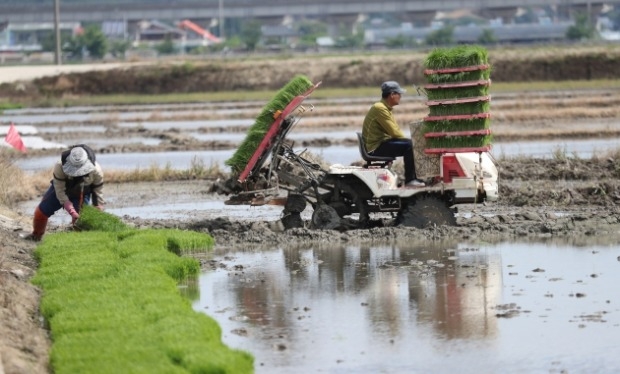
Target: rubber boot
pixel 39 224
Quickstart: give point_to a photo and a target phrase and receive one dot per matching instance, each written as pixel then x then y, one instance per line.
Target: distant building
pixel 156 31
pixel 27 37
pixel 513 33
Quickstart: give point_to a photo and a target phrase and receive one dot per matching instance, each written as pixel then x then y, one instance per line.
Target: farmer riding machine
pixel 456 174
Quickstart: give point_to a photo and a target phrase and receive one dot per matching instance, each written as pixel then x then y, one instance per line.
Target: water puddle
pixel 440 308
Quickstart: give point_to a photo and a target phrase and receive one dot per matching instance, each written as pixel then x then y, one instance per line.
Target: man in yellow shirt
pixel 383 137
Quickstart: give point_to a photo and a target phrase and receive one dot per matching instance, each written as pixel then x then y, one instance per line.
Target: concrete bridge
pixel 273 11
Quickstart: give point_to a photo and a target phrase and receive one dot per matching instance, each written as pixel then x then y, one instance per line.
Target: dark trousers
pixel 399 148
pixel 49 203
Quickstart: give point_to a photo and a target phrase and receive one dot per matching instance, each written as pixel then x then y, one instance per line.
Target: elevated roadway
pixel 83 11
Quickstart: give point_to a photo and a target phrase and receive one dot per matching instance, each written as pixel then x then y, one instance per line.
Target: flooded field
pixel 521 307
pixel 321 302
pixel 169 135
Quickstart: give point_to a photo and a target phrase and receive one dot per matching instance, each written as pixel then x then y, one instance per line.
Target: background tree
pixel 582 29
pixel 487 37
pixel 350 38
pixel 119 47
pixel 443 36
pixel 94 41
pixel 309 31
pixel 251 33
pixel 166 47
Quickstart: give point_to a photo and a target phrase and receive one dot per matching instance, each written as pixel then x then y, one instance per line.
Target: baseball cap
pixel 391 86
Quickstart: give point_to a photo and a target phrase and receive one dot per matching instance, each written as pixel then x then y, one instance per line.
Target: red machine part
pixel 267 143
pixel 451 167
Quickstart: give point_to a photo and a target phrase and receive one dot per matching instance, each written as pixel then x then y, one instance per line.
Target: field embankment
pixel 350 71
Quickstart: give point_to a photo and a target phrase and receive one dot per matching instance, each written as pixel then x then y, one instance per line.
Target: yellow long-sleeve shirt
pixel 379 126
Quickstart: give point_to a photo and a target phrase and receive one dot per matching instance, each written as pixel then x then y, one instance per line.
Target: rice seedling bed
pixel 112 303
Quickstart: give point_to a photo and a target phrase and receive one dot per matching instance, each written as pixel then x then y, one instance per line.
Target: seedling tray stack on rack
pixel 458 81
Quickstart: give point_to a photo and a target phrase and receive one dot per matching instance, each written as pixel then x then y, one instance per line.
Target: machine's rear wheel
pixel 353 197
pixel 426 211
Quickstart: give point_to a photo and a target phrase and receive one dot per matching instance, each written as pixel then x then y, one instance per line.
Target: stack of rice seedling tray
pixel 260 139
pixel 457 89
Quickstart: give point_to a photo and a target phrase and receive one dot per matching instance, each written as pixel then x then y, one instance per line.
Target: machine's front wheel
pixel 426 211
pixel 325 217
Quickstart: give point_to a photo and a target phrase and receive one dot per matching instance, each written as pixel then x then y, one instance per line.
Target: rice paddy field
pixel 523 285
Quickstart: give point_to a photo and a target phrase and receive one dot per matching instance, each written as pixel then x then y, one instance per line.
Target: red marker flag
pixel 13 138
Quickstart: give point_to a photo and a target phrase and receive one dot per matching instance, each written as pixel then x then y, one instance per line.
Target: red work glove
pixel 71 210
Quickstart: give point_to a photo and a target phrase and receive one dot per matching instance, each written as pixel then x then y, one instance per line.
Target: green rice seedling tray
pixel 458 117
pixel 463 100
pixel 432 151
pixel 457 69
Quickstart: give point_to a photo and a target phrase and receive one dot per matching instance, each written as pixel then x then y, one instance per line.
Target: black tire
pixel 426 210
pixel 292 221
pixel 295 203
pixel 359 202
pixel 325 217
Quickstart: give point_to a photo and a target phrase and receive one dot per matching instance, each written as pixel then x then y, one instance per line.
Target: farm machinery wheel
pixel 325 217
pixel 295 204
pixel 354 198
pixel 426 211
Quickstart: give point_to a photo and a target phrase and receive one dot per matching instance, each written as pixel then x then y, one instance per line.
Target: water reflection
pixel 439 307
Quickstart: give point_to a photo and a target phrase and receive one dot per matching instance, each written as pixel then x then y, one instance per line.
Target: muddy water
pixel 440 308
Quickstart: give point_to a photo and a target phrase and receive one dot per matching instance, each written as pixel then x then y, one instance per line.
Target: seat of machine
pixel 371 160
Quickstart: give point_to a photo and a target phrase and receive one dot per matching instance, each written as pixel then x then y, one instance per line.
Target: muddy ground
pixel 576 201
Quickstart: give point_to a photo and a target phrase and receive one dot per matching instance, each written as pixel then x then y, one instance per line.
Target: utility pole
pixel 221 18
pixel 57 52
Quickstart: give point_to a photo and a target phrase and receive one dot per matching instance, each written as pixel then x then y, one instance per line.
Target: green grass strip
pixel 297 86
pixel 112 303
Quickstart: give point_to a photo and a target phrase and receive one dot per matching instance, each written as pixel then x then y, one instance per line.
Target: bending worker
pixel 383 137
pixel 77 178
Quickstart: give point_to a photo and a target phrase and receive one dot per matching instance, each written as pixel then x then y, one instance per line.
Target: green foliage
pixel 582 29
pixel 297 86
pixel 251 33
pixel 309 31
pixel 95 42
pixel 118 48
pixel 398 41
pixel 8 105
pixel 349 39
pixel 487 37
pixel 443 36
pixel 91 39
pixel 48 41
pixel 166 47
pixel 112 305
